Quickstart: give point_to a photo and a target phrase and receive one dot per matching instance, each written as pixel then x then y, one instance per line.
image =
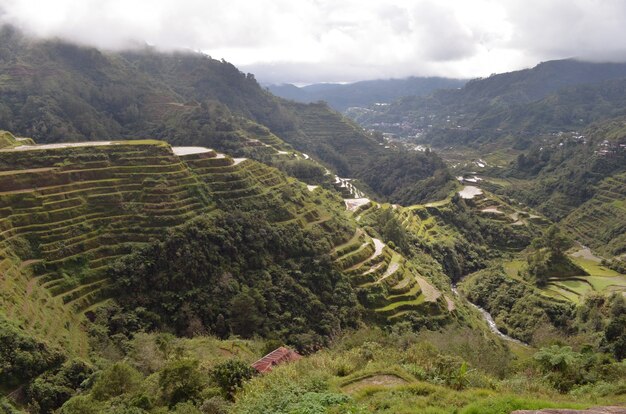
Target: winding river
pixel 489 319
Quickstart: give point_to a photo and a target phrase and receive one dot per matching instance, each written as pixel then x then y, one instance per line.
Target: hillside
pixel 56 92
pixel 553 96
pixel 365 93
pixel 578 178
pixel 170 222
pixel 86 223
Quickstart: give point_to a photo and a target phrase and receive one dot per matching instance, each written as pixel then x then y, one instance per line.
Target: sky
pixel 310 41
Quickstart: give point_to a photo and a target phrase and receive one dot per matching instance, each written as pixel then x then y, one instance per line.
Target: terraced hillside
pixel 68 211
pixel 332 138
pixel 387 283
pixel 601 221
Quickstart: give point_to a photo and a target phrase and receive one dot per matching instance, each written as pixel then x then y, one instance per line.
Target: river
pixel 489 319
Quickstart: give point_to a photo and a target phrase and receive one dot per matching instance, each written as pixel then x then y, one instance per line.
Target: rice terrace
pixel 312 207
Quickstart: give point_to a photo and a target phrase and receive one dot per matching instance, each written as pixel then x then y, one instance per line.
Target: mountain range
pixel 365 93
pixel 165 221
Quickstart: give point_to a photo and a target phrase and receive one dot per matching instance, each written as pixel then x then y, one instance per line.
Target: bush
pixel 181 381
pixel 118 379
pixel 186 408
pixel 80 405
pixel 215 405
pixel 50 391
pixel 231 375
pixel 22 357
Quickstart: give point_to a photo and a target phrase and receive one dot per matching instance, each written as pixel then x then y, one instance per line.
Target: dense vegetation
pixel 367 371
pixel 135 280
pixel 57 92
pixel 238 274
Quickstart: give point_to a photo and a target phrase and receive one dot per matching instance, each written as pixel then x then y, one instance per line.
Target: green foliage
pixel 7 408
pixel 23 357
pixel 80 405
pixel 231 374
pixel 186 408
pixel 120 378
pixel 519 309
pixel 408 177
pixel 549 258
pixel 50 390
pixel 237 271
pixel 508 404
pixel 304 170
pixel 181 381
pixel 565 368
pixel 6 139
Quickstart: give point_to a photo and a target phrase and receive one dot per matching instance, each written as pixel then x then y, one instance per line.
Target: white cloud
pixel 343 40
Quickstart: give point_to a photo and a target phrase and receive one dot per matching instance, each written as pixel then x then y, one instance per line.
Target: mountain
pixel 365 93
pixel 553 96
pixel 142 236
pixel 579 179
pixel 54 91
pixel 165 222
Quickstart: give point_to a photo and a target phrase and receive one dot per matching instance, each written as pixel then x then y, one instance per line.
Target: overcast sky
pixel 306 41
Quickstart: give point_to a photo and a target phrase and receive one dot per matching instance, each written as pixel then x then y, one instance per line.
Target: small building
pixel 278 356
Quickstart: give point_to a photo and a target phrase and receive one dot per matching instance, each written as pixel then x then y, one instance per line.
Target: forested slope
pixel 53 91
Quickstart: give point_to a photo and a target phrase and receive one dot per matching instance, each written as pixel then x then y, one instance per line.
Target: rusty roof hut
pixel 276 357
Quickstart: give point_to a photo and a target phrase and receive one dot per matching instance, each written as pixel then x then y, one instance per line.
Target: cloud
pixel 589 29
pixel 342 40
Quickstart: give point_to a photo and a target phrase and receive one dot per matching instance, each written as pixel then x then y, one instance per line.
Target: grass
pixel 81 208
pixel 600 279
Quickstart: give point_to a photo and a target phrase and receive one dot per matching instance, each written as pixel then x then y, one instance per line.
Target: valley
pixel 165 222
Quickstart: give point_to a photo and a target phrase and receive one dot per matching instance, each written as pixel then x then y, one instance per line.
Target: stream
pixel 489 319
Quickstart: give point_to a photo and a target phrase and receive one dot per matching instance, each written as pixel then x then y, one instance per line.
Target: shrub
pixel 231 374
pixel 49 391
pixel 181 381
pixel 118 379
pixel 22 357
pixel 80 405
pixel 215 405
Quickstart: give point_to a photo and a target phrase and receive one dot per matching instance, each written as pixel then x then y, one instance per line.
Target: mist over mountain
pixel 177 238
pixel 365 93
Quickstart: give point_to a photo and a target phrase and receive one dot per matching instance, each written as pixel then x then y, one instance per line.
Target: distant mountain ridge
pixel 365 93
pixel 55 91
pixel 553 96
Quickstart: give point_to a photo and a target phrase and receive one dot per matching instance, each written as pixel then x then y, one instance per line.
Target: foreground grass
pixel 408 375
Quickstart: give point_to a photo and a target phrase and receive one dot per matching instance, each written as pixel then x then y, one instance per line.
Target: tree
pixel 181 381
pixel 561 365
pixel 556 242
pixel 245 315
pixel 118 379
pixel 231 374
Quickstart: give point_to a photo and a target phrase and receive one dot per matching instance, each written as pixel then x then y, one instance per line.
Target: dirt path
pixel 585 253
pixel 390 271
pixel 384 380
pixel 431 294
pixel 450 302
pixel 189 150
pixel 378 250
